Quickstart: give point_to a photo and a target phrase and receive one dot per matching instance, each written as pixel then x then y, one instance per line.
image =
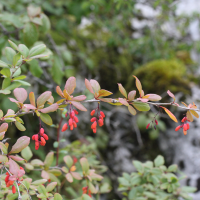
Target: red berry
pixel 184 119
pixel 92 112
pixel 188 126
pixel 74 124
pixel 7 177
pixel 184 132
pixel 94 130
pixel 178 127
pixel 102 114
pixel 72 114
pixel 156 122
pixel 76 112
pixel 45 136
pixel 94 125
pixel 147 125
pixel 93 119
pixel 76 119
pixel 13 189
pixel 100 122
pixel 37 145
pixel 33 137
pixel 71 127
pixel 185 127
pixel 43 141
pixel 64 128
pixel 66 115
pixel 70 121
pixel 49 180
pixel 41 131
pixel 36 137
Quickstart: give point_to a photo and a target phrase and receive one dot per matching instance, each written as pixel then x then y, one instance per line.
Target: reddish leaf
pixel 76 175
pixel 171 94
pixel 79 98
pixel 59 91
pixel 20 94
pixel 3 127
pixel 122 90
pixel 132 110
pixel 95 85
pixel 13 167
pixel 70 85
pixel 131 95
pixel 13 100
pixel 29 106
pixel 143 100
pixel 104 93
pixel 88 86
pixel 123 101
pixel 107 100
pixel 45 175
pixel 139 86
pixel 170 114
pixel 51 108
pixel 3 158
pixel 43 98
pixel 152 97
pixel 16 158
pixel 21 143
pixel 78 105
pixel 69 177
pixel 32 98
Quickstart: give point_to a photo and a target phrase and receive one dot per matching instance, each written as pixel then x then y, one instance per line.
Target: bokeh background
pixel 156 40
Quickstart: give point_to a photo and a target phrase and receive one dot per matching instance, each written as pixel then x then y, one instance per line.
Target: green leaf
pixel 22 82
pixel 46 25
pixel 159 161
pixel 141 106
pixel 49 159
pixel 39 182
pixel 3 64
pixel 3 148
pixel 51 186
pixel 17 72
pixel 19 77
pixel 27 153
pixel 30 34
pixel 172 168
pixel 68 160
pixel 41 189
pixel 138 165
pixel 86 197
pixel 21 143
pixel 85 165
pixel 56 70
pixel 13 45
pixel 188 189
pixel 36 50
pixel 16 59
pixel 6 83
pixel 10 53
pixel 13 86
pixel 58 196
pixel 23 50
pixel 6 72
pixel 20 126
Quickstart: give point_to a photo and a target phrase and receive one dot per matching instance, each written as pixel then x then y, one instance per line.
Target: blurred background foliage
pixel 108 41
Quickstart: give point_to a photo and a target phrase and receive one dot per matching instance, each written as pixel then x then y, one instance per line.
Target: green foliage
pixel 153 181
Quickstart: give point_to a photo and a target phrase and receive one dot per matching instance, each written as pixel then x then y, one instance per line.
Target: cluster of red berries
pixel 86 191
pixel 99 119
pixel 72 122
pixel 185 125
pixel 154 121
pixel 11 182
pixel 40 138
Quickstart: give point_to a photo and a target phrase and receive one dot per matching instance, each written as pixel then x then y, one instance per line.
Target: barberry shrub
pixel 74 167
